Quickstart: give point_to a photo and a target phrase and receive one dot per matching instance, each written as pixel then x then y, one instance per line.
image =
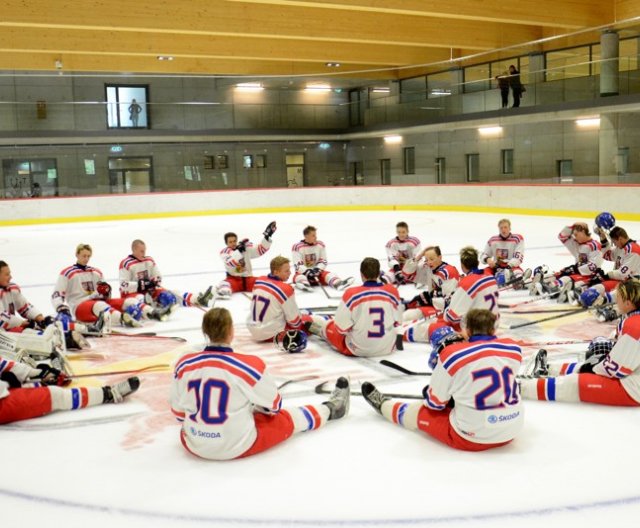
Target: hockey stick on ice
pixel 402 369
pixel 321 389
pixel 146 335
pixel 296 380
pixel 121 372
pixel 552 317
pixel 541 311
pixel 542 297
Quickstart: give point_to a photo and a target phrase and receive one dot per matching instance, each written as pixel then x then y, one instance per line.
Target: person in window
pixel 516 85
pixel 134 112
pixel 36 190
pixel 503 85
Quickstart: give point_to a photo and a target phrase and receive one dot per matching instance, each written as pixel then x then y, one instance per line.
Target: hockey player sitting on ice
pixel 27 392
pixel 273 303
pixel 228 404
pixel 626 258
pixel 18 315
pixel 588 254
pixel 237 262
pixel 401 254
pixel 309 257
pixel 472 402
pixel 140 278
pixel 366 319
pixel 610 374
pixel 443 281
pixel 80 291
pixel 503 255
pixel 476 289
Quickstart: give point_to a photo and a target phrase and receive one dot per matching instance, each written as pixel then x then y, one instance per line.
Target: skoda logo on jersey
pixel 492 419
pixel 193 431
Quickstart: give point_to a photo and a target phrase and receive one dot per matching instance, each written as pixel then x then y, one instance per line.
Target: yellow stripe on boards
pixel 634 217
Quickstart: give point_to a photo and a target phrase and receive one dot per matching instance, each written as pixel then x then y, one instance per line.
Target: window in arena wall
pixel 409 160
pixel 473 167
pixel 477 78
pixel 568 63
pixel 441 170
pixel 507 161
pixel 564 170
pixel 127 105
pixel 385 171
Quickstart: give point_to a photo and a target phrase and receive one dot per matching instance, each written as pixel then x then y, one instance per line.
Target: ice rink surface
pixel 116 466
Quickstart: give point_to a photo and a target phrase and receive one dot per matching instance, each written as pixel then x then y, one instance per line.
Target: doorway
pixel 295 170
pixel 130 175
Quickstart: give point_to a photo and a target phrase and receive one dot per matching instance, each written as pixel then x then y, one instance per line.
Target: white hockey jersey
pixel 273 306
pixel 214 394
pixel 14 307
pixel 75 285
pixel 238 264
pixel 445 279
pixel 131 270
pixel 480 376
pixel 367 316
pixel 507 252
pixel 623 362
pixel 400 251
pixel 588 255
pixel 476 290
pixel 626 260
pixel 308 256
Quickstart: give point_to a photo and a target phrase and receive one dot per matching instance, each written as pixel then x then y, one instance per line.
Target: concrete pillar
pixel 610 46
pixel 608 148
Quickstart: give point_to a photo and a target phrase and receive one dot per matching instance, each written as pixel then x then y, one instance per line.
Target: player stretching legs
pixel 309 258
pixel 36 398
pixel 366 319
pixel 230 407
pixel 479 376
pixel 81 289
pixel 611 373
pixel 140 278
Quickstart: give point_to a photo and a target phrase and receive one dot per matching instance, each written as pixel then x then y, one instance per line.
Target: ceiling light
pixel 164 57
pixel 490 131
pixel 249 87
pixel 332 64
pixel 589 122
pixel 393 140
pixel 380 89
pixel 318 87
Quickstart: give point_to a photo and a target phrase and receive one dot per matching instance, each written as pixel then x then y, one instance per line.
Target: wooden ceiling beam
pixel 88 42
pixel 552 13
pixel 45 61
pixel 219 17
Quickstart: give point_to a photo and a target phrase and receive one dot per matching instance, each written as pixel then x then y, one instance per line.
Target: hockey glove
pixel 48 320
pixel 146 285
pixel 52 376
pixel 242 245
pixel 103 289
pixel 270 230
pixel 11 379
pixel 569 270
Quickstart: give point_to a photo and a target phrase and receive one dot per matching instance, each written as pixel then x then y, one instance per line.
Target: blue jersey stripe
pixel 205 357
pixel 480 348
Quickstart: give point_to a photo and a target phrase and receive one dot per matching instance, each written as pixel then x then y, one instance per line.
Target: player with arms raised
pixel 236 257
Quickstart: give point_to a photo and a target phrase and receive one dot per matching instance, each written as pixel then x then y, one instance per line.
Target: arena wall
pixel 545 200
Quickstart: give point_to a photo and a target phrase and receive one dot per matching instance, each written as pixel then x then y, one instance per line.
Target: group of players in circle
pixel 230 407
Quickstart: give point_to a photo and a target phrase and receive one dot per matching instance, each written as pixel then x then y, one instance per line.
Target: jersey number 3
pixel 212 399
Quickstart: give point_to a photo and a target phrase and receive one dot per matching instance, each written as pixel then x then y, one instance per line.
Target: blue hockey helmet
pixel 605 221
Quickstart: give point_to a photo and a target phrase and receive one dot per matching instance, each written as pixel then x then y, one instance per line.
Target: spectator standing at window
pixel 134 112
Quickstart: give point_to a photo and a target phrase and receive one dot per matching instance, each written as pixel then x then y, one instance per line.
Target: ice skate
pixel 339 400
pixel 127 320
pixel 205 297
pixel 606 314
pixel 537 366
pixel 373 396
pixel 519 282
pixel 118 392
pixel 303 287
pixel 160 313
pixel 562 291
pixel 344 283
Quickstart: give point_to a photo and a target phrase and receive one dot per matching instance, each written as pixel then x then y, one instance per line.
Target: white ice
pixel 573 464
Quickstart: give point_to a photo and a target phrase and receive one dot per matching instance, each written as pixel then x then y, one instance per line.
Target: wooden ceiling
pixel 380 39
